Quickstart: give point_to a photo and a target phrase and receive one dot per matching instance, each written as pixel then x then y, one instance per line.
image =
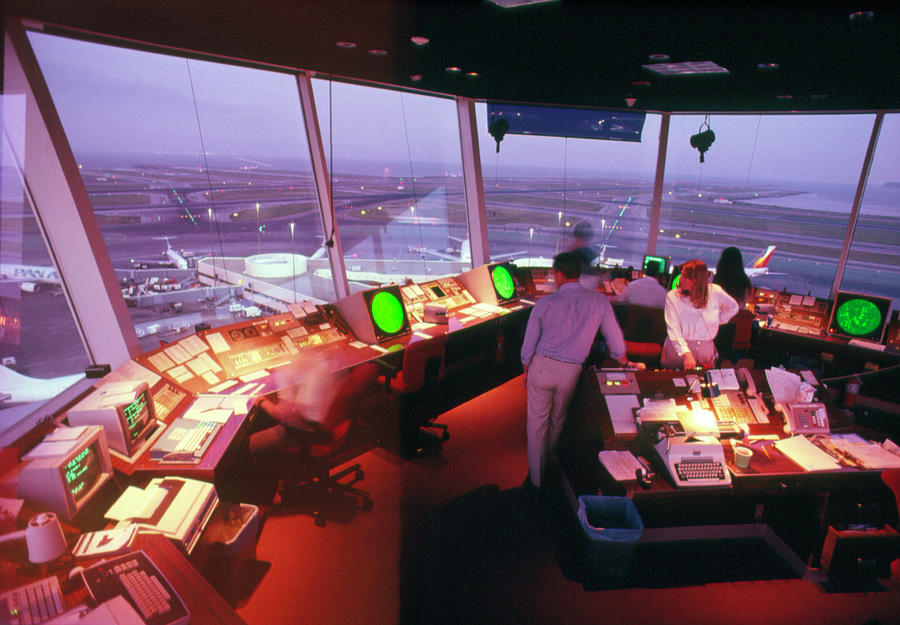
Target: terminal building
pixel 226 196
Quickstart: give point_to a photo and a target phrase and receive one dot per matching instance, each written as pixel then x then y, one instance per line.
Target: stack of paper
pixel 808 456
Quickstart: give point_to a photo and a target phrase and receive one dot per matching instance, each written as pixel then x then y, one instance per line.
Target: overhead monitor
pixel 66 470
pixel 662 262
pixel 858 316
pixel 492 283
pixel 375 315
pixel 124 409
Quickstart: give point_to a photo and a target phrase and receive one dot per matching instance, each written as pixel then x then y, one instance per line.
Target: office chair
pixel 734 338
pixel 421 369
pixel 645 333
pixel 305 453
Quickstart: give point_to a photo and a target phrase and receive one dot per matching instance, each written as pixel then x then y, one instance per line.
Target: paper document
pixel 785 386
pixel 725 378
pixel 808 456
pixel 136 503
pixel 620 464
pixel 621 413
pixel 866 454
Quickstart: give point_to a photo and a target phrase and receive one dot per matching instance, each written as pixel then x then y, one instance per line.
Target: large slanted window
pixel 873 266
pixel 396 176
pixel 782 180
pixel 191 167
pixel 537 189
pixel 40 348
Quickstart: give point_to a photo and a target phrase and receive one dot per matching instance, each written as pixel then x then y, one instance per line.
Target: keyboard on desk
pixel 32 603
pixel 135 576
pixel 732 408
pixel 185 437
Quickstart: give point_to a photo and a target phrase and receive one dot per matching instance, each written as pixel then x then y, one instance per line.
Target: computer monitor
pixel 491 284
pixel 674 277
pixel 63 473
pixel 858 316
pixel 124 409
pixel 662 262
pixel 375 315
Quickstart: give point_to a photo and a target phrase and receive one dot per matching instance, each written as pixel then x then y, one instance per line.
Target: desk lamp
pixel 44 538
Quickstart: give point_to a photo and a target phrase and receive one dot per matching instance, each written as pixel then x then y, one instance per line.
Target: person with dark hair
pixel 583 234
pixel 558 338
pixel 694 312
pixel 730 275
pixel 645 291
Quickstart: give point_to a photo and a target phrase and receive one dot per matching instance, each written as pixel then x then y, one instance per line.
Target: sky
pixel 118 100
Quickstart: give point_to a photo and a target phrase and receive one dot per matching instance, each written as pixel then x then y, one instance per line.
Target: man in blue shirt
pixel 560 331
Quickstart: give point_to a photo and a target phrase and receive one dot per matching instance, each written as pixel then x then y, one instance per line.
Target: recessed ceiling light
pixel 419 41
pixel 378 52
pixel 345 44
pixel 472 74
pixel 784 96
pixel 453 69
pixel 415 77
pixel 686 68
pixel 659 57
pixel 767 66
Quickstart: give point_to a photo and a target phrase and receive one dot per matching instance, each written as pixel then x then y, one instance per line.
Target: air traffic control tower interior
pixel 267 269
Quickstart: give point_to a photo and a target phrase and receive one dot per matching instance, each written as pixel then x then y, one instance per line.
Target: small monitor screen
pixel 504 285
pixel 438 291
pixel 858 316
pixel 81 472
pixel 137 415
pixel 387 312
pixel 662 263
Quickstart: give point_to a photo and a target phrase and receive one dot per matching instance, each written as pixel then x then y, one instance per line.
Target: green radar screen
pixel 503 282
pixel 859 317
pixel 387 312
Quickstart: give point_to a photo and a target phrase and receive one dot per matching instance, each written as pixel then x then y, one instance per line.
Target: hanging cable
pixel 209 184
pixel 416 222
pixel 753 152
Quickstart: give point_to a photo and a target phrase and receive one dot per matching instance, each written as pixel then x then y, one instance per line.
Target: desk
pixel 798 505
pixel 204 603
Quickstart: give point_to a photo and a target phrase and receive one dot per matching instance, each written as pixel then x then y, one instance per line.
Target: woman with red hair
pixel 694 312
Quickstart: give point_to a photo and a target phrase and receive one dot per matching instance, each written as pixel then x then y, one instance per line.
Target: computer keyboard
pixel 185 438
pixel 33 603
pixel 735 410
pixel 196 437
pixel 135 576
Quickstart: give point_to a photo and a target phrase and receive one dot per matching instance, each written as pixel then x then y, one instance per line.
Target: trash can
pixel 233 537
pixel 612 527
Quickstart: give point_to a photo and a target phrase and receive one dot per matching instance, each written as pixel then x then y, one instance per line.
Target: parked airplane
pixel 173 258
pixel 22 388
pixel 32 278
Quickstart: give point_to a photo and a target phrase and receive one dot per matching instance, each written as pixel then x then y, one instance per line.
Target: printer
pixel 174 506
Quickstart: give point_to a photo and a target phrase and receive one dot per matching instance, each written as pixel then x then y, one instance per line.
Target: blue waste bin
pixel 612 527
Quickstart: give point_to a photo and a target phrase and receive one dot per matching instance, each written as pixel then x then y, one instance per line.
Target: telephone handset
pixel 754 400
pixel 748 383
pixel 806 418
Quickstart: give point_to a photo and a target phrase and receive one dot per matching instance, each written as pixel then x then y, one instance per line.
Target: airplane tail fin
pixel 763 259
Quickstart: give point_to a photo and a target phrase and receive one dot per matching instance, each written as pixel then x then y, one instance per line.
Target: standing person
pixel 694 312
pixel 560 331
pixel 730 275
pixel 583 235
